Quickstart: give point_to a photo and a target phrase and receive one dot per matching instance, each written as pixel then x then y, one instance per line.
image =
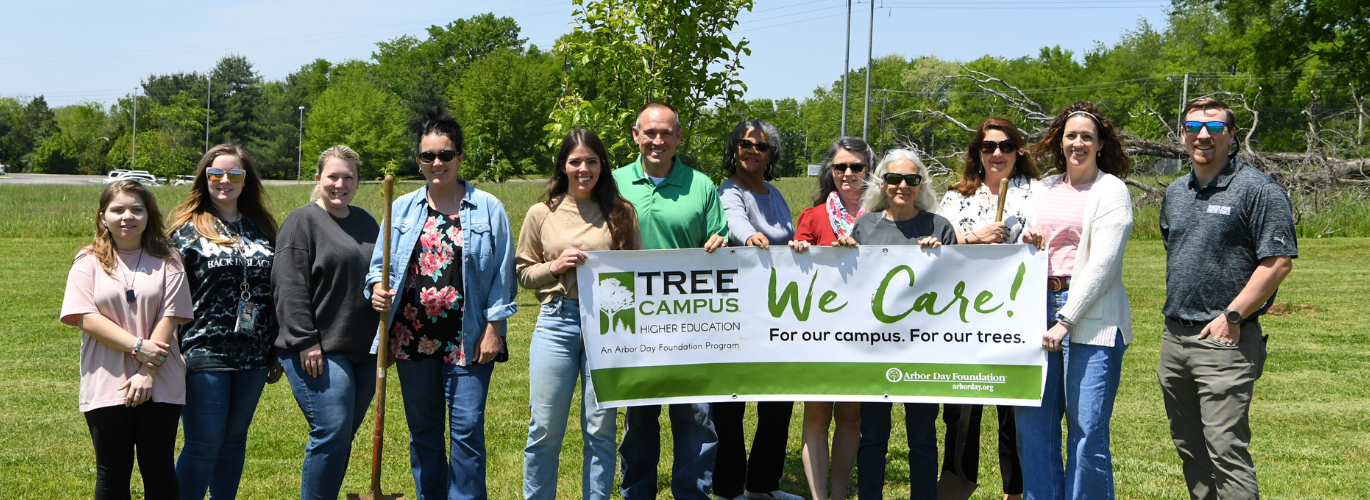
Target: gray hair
pixel 340 152
pixel 875 199
pixel 772 138
pixel 856 146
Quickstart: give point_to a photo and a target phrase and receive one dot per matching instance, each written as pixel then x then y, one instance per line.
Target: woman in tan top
pixel 582 212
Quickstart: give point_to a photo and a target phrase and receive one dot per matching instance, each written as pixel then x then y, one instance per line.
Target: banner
pixel 956 324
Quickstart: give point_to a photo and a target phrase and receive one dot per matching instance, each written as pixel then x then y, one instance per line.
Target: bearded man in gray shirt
pixel 1229 237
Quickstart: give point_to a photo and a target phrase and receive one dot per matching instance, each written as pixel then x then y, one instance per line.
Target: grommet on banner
pixel 734 252
pixel 887 395
pixel 734 395
pixel 884 250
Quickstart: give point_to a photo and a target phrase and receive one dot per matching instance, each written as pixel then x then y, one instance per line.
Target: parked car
pixel 183 180
pixel 117 172
pixel 142 176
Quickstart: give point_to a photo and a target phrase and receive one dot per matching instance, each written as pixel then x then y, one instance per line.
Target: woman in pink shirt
pixel 1083 219
pixel 126 292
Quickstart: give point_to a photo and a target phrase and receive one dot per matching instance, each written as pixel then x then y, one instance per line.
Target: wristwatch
pixel 1232 316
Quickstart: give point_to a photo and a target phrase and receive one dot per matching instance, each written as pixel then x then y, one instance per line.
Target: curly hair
pixel 772 137
pixel 1112 158
pixel 875 199
pixel 974 173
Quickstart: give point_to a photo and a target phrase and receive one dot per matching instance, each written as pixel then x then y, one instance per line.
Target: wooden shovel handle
pixel 1003 193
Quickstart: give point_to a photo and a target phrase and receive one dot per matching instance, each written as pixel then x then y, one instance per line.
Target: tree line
pixel 1289 67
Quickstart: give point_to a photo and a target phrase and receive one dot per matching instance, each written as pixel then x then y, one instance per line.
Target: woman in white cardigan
pixel 1083 219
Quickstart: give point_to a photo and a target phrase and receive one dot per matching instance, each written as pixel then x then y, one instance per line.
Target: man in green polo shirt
pixel 677 207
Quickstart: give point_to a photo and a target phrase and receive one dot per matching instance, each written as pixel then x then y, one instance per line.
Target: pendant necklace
pixel 129 295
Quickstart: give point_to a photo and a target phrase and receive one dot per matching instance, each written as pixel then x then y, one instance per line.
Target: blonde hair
pixel 153 240
pixel 198 208
pixel 340 152
pixel 875 199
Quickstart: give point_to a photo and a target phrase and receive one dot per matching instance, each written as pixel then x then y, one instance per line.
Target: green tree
pixel 28 126
pixel 503 101
pixel 623 54
pixel 1287 34
pixel 356 112
pixel 420 72
pixel 236 90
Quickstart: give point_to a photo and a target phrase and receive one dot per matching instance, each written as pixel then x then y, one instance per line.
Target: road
pixel 86 180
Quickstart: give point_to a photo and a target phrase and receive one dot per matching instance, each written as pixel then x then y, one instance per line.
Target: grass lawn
pixel 1311 416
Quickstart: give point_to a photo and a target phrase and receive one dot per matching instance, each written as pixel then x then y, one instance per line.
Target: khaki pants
pixel 1207 389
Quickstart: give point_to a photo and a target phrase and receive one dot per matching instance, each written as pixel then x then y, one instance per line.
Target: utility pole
pixel 884 98
pixel 133 162
pixel 1184 99
pixel 209 83
pixel 299 149
pixel 846 70
pixel 870 50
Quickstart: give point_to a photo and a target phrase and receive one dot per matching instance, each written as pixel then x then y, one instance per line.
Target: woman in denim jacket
pixel 452 282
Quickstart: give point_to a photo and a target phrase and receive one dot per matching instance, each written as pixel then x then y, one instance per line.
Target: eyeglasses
pixel 445 155
pixel 855 168
pixel 1214 128
pixel 1007 146
pixel 760 147
pixel 235 176
pixel 894 179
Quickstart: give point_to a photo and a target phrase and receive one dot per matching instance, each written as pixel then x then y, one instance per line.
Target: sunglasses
pixel 760 147
pixel 855 168
pixel 1214 128
pixel 235 176
pixel 1007 146
pixel 445 155
pixel 894 179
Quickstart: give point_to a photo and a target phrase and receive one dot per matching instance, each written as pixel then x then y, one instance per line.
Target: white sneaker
pixel 774 495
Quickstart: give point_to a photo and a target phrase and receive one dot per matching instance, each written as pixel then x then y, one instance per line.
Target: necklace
pixel 129 294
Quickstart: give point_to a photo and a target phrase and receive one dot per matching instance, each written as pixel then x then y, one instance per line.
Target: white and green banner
pixel 956 324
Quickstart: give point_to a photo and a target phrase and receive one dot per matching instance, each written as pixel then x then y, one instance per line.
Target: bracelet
pixel 137 346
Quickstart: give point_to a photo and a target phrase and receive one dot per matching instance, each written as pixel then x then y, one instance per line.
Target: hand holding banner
pixel 956 324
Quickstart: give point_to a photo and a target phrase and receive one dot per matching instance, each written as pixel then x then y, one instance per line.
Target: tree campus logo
pixel 616 299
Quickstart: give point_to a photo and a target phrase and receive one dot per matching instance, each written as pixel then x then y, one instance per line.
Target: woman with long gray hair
pixel 327 325
pixel 899 211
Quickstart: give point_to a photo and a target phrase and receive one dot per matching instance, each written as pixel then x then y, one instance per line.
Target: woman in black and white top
pixel 971 205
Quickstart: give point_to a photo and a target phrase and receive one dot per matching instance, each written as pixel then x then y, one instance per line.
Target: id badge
pixel 247 317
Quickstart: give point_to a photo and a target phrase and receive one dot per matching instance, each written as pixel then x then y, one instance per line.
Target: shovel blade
pixel 369 496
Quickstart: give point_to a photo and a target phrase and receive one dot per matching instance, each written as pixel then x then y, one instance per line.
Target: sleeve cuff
pixel 501 312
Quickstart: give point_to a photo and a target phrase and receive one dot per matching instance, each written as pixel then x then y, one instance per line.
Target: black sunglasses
pixel 894 179
pixel 1007 146
pixel 445 155
pixel 1214 128
pixel 855 168
pixel 760 147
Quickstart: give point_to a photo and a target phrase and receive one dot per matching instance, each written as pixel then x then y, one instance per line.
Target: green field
pixel 1311 416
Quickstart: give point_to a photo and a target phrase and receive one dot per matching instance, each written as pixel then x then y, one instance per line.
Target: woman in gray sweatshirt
pixel 327 325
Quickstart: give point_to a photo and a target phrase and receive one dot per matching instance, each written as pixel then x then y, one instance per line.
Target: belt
pixel 1186 322
pixel 1058 283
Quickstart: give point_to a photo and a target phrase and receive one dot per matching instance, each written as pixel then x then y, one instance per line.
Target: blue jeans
pixel 217 413
pixel 555 359
pixel 920 421
pixel 435 392
pixel 696 444
pixel 335 404
pixel 1082 383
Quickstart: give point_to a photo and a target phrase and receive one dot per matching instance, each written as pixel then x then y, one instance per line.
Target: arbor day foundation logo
pixel 616 299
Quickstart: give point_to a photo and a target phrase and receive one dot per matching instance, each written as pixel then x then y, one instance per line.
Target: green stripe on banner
pixel 868 379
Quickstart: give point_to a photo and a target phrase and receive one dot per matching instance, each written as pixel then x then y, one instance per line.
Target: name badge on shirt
pixel 1219 209
pixel 247 317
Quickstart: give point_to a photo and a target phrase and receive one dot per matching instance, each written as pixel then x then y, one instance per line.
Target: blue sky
pixel 72 51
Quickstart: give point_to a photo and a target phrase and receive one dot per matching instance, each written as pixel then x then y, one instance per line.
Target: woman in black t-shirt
pixel 226 237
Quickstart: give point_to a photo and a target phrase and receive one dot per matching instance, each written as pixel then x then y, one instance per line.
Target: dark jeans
pixel 218 411
pixel 443 401
pixel 696 444
pixel 1009 467
pixel 117 431
pixel 920 420
pixel 761 472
